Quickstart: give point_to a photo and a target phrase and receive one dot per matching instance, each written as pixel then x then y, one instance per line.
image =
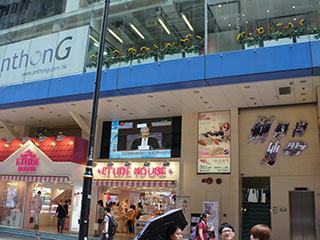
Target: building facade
pixel 228 90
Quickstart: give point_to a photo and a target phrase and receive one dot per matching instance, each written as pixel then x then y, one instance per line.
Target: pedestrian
pixel 226 231
pixel 37 202
pixel 61 212
pixel 174 233
pixel 106 233
pixel 100 217
pixel 202 227
pixel 131 218
pixel 260 232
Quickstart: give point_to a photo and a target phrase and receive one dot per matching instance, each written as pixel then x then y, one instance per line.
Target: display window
pixel 11 203
pixel 134 206
pixel 51 194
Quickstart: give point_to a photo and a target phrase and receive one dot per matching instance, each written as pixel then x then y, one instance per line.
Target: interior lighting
pixel 166 164
pixel 293 6
pixel 42 138
pixel 60 136
pixel 187 21
pixel 136 30
pixel 164 26
pixel 268 11
pixel 110 164
pixel 115 35
pixel 53 144
pixel 127 164
pixel 219 5
pixel 146 164
pixel 95 40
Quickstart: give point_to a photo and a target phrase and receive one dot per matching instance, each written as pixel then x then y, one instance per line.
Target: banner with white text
pixel 45 57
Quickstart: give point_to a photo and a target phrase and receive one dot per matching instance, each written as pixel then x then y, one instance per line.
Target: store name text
pixel 138 171
pixel 27 162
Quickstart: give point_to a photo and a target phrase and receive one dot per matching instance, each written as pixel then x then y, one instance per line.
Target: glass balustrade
pixel 145 31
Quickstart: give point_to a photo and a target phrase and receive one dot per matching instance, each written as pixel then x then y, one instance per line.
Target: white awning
pixel 50 179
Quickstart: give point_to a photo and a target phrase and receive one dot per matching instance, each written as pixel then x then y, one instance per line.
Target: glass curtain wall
pixel 245 24
pixel 142 31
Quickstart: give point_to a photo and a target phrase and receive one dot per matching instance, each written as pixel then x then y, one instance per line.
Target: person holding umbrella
pixel 174 233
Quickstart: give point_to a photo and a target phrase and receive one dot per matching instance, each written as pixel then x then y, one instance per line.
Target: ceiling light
pixel 243 15
pixel 164 26
pixel 95 40
pixel 247 22
pixel 136 30
pixel 166 164
pixel 187 21
pixel 96 44
pixel 146 164
pixel 293 6
pixel 115 35
pixel 268 10
pixel 127 164
pixel 219 5
pixel 229 24
pixel 42 138
pixel 60 136
pixel 110 164
pixel 294 19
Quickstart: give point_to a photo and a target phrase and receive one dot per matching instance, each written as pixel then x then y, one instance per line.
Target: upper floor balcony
pixel 143 31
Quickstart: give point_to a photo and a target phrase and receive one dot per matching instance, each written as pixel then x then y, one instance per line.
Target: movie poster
pixel 212 208
pixel 184 204
pixel 214 136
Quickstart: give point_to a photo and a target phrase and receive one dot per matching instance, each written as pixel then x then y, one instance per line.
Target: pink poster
pixel 214 136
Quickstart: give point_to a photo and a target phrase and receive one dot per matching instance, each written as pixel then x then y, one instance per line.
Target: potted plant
pixel 170 51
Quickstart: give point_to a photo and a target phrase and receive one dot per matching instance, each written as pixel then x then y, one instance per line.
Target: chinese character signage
pixel 259 133
pixel 214 142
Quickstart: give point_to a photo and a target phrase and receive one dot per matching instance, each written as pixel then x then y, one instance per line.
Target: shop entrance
pixel 134 206
pixel 51 195
pixel 255 203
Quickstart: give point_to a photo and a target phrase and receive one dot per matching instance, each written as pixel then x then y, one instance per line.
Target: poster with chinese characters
pixel 212 208
pixel 214 136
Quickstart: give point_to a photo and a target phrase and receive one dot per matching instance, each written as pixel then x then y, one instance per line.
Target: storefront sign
pixel 260 130
pixel 43 57
pixel 214 135
pixel 294 148
pixel 271 154
pixel 27 162
pixel 137 171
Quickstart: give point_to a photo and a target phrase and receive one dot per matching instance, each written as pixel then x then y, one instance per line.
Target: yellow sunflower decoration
pixel 260 30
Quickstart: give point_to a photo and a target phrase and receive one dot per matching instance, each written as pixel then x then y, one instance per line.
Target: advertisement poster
pixel 44 57
pixel 184 204
pixel 212 208
pixel 214 136
pixel 76 208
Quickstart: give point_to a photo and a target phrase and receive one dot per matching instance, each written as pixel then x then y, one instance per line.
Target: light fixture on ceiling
pixel 166 163
pixel 136 30
pixel 146 164
pixel 127 164
pixel 42 138
pixel 95 40
pixel 187 21
pixel 164 26
pixel 60 136
pixel 110 164
pixel 115 35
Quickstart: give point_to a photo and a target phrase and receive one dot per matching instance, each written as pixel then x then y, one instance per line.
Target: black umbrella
pixel 156 228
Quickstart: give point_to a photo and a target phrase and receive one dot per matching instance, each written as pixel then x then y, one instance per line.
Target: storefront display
pixel 50 166
pixel 148 190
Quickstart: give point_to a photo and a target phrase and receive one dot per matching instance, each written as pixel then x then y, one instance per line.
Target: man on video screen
pixel 145 142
